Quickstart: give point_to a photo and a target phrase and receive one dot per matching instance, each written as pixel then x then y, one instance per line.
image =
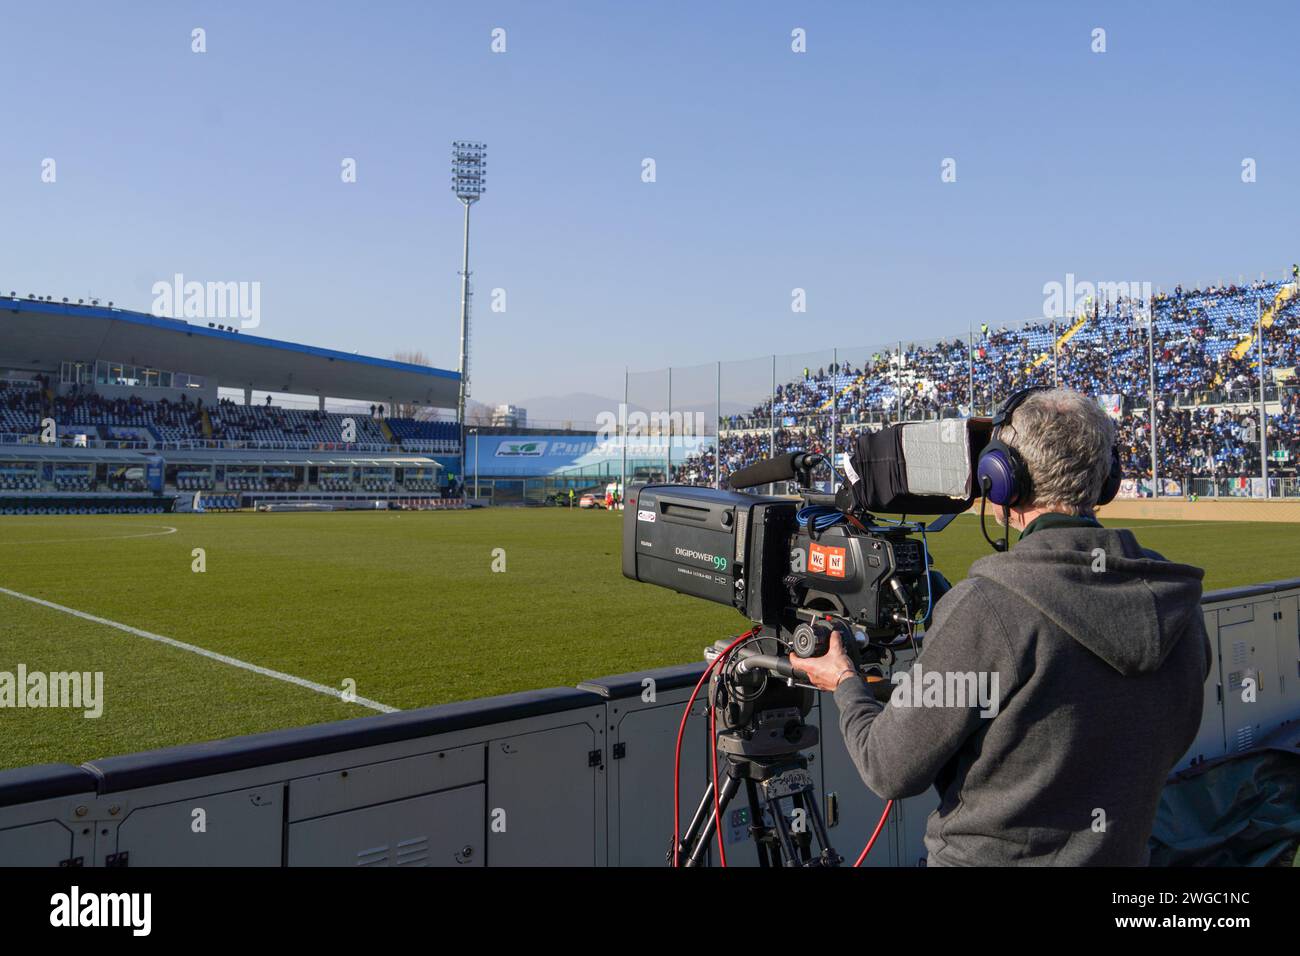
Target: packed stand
pixel 273 427
pixel 1203 358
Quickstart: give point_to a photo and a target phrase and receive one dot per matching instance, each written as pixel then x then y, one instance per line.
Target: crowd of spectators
pixel 1198 348
pixel 272 424
pixel 25 404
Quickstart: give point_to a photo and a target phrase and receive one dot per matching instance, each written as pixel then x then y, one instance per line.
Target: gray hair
pixel 1065 440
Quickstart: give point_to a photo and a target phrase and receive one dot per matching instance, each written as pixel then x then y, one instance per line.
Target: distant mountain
pixel 580 408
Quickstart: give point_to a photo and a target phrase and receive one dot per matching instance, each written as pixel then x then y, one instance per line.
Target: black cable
pixel 996 545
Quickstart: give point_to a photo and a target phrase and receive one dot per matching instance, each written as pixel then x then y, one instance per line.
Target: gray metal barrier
pixel 563 776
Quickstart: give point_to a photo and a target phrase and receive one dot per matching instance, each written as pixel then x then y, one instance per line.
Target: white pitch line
pixel 202 652
pixel 167 529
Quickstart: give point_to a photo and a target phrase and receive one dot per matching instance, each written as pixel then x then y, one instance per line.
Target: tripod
pixel 764 755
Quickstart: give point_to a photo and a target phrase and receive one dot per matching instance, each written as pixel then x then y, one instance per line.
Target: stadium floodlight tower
pixel 469 183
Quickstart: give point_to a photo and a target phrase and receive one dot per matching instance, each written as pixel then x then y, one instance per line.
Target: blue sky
pixel 775 170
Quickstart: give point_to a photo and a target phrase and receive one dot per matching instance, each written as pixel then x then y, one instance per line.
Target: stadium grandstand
pixel 107 410
pixel 1191 373
pixel 152 413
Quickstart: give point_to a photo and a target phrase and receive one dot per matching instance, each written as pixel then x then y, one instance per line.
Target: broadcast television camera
pixel 802 569
pixel 800 566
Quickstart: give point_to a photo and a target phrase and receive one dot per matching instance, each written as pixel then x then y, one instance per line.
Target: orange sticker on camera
pixel 827 561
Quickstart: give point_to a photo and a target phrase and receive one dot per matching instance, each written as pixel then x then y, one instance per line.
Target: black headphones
pixel 1001 472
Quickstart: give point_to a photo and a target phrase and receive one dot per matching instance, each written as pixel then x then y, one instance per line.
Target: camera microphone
pixel 782 468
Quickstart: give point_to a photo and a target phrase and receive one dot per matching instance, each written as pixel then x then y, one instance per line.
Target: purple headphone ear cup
pixel 1110 488
pixel 999 466
pixel 997 476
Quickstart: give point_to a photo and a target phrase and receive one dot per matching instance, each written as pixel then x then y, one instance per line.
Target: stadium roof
pixel 61 454
pixel 37 335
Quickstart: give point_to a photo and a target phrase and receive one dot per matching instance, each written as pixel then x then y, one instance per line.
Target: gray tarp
pixel 1242 810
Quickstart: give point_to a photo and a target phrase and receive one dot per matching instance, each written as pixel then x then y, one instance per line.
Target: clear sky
pixel 775 170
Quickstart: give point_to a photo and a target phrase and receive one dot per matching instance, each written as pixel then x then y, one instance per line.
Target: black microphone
pixel 998 546
pixel 782 468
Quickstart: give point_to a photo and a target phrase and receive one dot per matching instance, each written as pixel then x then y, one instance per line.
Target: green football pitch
pixel 405 609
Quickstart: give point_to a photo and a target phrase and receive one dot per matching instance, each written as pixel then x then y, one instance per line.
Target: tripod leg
pixel 693 828
pixel 757 825
pixel 797 848
pixel 789 851
pixel 802 838
pixel 701 846
pixel 832 858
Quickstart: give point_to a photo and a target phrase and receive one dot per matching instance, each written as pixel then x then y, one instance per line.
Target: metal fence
pixel 1176 438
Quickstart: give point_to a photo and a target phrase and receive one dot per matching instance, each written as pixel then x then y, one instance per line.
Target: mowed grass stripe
pixel 210 655
pixel 407 605
pixel 154 695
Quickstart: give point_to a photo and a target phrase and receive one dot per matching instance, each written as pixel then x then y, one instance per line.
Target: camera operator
pixel 1097 652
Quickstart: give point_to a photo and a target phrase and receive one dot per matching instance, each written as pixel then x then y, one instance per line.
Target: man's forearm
pixel 858 709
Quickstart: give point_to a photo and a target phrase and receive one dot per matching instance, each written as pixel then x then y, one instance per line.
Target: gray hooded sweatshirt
pixel 1100 658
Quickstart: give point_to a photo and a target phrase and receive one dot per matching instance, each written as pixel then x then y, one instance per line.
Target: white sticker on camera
pixel 846 466
pixel 645 516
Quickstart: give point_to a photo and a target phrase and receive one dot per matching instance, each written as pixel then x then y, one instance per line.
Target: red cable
pixel 713 740
pixel 879 826
pixel 681 731
pixel 717 807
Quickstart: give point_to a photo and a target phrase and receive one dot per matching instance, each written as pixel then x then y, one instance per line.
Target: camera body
pixel 863 575
pixel 723 546
pixel 754 553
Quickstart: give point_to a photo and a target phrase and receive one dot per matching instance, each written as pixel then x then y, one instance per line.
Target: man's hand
pixel 826 672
